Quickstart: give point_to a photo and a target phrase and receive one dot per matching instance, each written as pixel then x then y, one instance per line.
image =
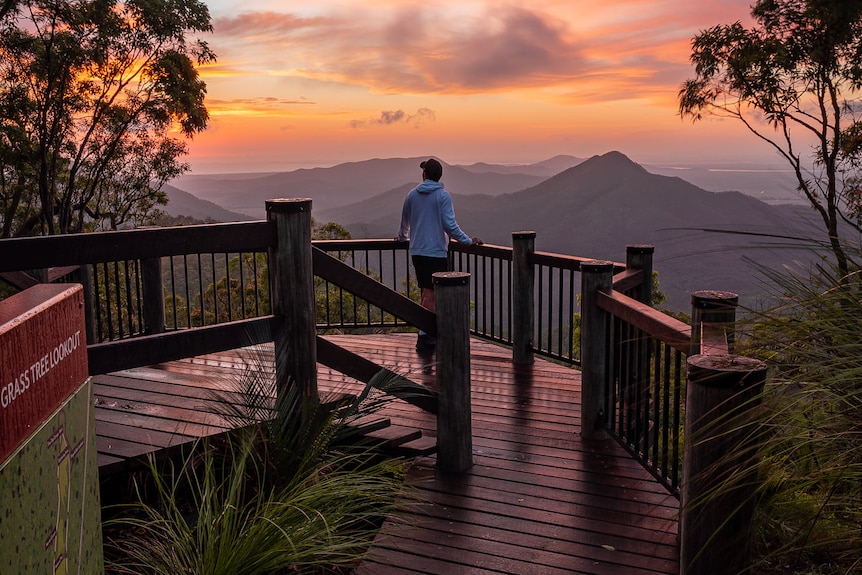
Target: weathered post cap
pixel 727 371
pixel 451 278
pixel 597 266
pixel 524 235
pixel 714 299
pixel 640 249
pixel 288 205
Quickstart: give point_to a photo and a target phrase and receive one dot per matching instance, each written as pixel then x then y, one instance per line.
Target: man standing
pixel 428 221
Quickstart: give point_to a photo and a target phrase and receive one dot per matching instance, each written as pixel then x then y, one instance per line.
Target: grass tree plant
pixel 809 513
pixel 289 491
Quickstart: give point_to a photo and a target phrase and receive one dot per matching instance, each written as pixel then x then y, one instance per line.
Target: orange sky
pixel 466 81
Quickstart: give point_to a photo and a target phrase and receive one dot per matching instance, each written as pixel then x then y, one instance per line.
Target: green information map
pixel 49 496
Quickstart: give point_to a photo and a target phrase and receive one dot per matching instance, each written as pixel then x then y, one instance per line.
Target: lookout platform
pixel 538 499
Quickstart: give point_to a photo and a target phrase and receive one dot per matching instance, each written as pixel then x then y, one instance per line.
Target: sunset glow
pixel 313 84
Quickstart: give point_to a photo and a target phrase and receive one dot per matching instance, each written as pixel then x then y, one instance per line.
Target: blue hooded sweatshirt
pixel 428 221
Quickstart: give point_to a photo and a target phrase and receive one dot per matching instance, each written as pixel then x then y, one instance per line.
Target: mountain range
pixel 355 181
pixel 182 203
pixel 593 208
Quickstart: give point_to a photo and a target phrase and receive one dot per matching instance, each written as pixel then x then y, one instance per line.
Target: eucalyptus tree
pixel 799 68
pixel 97 101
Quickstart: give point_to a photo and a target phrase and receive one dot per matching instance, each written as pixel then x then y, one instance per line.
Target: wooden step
pixel 370 424
pixel 398 440
pixel 390 437
pixel 418 447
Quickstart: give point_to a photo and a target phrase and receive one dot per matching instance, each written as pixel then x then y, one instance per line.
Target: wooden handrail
pixel 562 261
pixel 667 329
pixel 55 251
pixel 363 244
pixel 22 280
pixel 170 346
pixel 490 250
pixel 19 279
pixel 361 369
pixel 342 275
pixel 565 262
pixel 628 279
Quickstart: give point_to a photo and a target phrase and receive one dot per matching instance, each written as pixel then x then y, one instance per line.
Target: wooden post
pixel 523 282
pixel 637 380
pixel 84 276
pixel 713 322
pixel 719 463
pixel 595 349
pixel 454 425
pixel 154 295
pixel 291 281
pixel 639 257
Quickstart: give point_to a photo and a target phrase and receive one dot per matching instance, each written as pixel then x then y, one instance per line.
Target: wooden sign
pixel 49 478
pixel 43 357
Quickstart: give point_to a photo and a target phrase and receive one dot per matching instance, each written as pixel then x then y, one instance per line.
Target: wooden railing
pixel 113 250
pixel 640 368
pixel 386 261
pixel 636 392
pixel 524 298
pixel 196 284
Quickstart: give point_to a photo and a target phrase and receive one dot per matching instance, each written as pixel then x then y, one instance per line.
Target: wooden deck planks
pixel 537 500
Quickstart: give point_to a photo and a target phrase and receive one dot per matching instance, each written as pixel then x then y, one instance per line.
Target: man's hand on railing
pixel 477 241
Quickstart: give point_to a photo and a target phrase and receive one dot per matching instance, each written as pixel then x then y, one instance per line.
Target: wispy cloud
pixel 505 48
pixel 264 25
pixel 388 118
pixel 262 106
pixel 261 103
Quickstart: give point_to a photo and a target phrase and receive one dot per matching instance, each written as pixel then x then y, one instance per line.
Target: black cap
pixel 433 169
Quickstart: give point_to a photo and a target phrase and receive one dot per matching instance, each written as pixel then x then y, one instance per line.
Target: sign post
pixel 49 477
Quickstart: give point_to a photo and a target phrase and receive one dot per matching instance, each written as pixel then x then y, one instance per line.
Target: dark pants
pixel 426 267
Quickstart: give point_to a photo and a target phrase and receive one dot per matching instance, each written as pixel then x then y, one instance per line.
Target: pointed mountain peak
pixel 612 162
pixel 598 173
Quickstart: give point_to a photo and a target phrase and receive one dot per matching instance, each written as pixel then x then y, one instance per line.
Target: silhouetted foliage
pixel 90 94
pixel 799 69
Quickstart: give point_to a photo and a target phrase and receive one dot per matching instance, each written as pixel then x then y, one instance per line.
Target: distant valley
pixel 592 207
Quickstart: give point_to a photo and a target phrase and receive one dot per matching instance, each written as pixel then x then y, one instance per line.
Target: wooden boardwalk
pixel 538 500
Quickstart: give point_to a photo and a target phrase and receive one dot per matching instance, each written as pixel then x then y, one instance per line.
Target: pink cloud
pixel 407 49
pixel 263 24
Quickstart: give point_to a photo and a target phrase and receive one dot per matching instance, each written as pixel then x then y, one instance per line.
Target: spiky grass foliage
pixel 303 433
pixel 218 514
pixel 284 493
pixel 809 516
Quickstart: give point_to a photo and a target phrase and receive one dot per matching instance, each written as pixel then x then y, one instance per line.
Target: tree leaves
pixel 91 90
pixel 797 71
